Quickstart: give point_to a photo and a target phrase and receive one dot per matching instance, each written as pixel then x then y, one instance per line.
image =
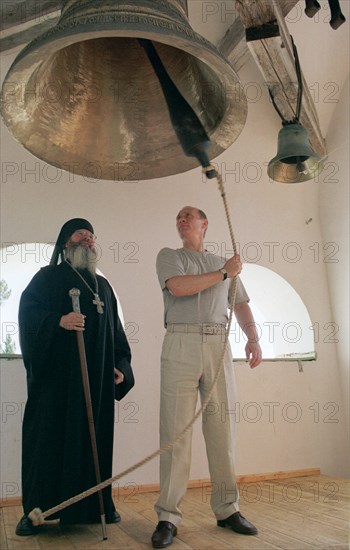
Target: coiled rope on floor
pixel 37 516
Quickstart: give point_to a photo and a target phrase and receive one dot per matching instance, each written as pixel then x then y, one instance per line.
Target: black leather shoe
pixel 239 524
pixel 25 527
pixel 115 518
pixel 164 534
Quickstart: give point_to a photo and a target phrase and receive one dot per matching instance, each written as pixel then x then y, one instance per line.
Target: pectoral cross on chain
pixel 98 303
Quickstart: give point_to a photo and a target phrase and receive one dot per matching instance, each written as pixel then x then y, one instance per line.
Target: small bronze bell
pixel 295 160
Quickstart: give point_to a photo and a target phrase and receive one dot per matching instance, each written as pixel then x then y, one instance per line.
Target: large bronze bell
pixel 84 96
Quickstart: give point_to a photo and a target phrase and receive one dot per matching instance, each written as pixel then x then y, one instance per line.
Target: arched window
pixel 19 264
pixel 283 322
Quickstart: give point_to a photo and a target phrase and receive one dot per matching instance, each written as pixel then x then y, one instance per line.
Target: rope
pixel 37 516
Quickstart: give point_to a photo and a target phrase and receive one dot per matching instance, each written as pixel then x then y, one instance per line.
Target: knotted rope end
pixel 36 517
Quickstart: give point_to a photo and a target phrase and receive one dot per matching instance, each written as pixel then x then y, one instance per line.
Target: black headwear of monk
pixel 66 232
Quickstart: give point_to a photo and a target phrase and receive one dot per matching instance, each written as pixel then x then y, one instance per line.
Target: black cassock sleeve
pixel 44 342
pixel 39 328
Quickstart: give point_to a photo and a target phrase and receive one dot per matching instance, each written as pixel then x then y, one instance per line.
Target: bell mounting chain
pixel 295 161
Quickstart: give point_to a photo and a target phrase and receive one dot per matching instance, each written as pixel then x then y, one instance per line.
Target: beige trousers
pixel 188 365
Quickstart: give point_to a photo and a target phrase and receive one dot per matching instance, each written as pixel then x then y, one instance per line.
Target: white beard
pixel 82 257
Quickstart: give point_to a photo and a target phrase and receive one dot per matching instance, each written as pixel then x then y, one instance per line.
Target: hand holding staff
pixel 73 321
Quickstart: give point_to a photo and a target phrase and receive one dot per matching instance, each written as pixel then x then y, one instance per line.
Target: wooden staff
pixel 74 293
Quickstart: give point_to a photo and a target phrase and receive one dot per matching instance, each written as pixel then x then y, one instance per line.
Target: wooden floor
pixel 293 514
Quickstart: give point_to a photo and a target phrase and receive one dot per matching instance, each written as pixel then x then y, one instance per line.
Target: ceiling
pixel 323 51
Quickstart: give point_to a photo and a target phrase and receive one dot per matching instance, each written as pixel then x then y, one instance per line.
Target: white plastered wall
pixel 286 419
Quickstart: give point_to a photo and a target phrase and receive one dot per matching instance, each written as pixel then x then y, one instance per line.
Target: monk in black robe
pixel 57 461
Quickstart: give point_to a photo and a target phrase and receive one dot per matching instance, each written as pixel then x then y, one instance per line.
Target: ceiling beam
pixel 251 13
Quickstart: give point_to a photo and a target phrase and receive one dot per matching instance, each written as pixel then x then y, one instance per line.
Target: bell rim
pixel 274 165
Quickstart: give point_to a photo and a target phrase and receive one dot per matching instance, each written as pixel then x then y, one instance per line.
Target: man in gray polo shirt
pixel 195 287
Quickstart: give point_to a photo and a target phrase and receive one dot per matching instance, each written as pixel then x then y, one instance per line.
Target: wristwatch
pixel 224 273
